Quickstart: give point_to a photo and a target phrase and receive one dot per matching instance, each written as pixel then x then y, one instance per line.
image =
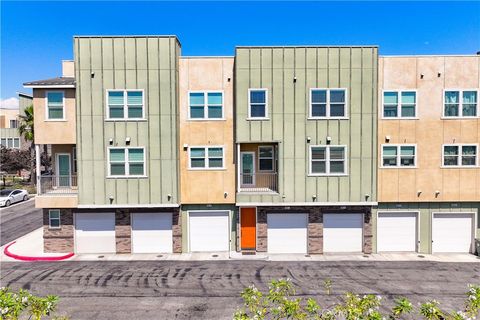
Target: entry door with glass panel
pixel 63 169
pixel 247 169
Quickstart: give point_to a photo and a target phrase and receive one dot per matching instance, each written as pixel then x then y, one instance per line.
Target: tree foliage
pixel 14 160
pixel 279 303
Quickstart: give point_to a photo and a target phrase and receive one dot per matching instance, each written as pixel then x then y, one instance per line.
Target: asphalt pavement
pixel 211 289
pixel 19 219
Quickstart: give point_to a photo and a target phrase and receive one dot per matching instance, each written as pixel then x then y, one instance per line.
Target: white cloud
pixel 9 103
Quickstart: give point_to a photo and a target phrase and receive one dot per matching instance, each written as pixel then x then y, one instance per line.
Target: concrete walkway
pixel 32 245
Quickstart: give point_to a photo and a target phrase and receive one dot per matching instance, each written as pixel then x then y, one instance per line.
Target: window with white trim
pixel 125 104
pixel 54 219
pixel 460 155
pixel 10 142
pixel 399 155
pixel 14 123
pixel 205 105
pixel 55 105
pixel 399 104
pixel 266 158
pixel 328 160
pixel 206 157
pixel 460 103
pixel 127 162
pixel 327 103
pixel 257 104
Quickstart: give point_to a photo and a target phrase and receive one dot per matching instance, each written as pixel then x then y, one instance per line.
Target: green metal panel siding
pixel 23 102
pixel 354 68
pixel 148 63
pixel 425 209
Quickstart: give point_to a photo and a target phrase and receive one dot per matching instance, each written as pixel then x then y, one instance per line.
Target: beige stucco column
pixel 37 167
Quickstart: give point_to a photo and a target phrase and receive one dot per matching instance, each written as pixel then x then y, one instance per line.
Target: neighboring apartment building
pixel 273 150
pixel 428 147
pixel 9 122
pixel 305 129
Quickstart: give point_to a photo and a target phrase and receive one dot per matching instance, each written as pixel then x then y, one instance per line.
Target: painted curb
pixel 27 258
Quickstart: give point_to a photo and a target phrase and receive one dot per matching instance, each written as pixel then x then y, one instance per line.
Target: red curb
pixel 27 258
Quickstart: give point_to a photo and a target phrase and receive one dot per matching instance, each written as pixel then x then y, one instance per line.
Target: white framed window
pixel 399 104
pixel 399 156
pixel 10 143
pixel 257 104
pixel 206 158
pixel 14 123
pixel 125 105
pixel 266 158
pixel 54 219
pixel 328 103
pixel 328 160
pixel 205 105
pixel 460 103
pixel 55 105
pixel 126 162
pixel 460 155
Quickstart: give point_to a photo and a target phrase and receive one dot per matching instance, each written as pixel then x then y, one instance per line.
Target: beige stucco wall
pixel 56 201
pixel 207 186
pixel 6 115
pixel 429 131
pixel 58 131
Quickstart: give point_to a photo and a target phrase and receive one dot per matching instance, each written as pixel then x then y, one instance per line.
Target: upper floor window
pixel 399 104
pixel 205 105
pixel 328 160
pixel 125 105
pixel 266 158
pixel 55 105
pixel 257 104
pixel 206 157
pixel 127 162
pixel 398 155
pixel 460 155
pixel 10 142
pixel 460 103
pixel 13 123
pixel 327 103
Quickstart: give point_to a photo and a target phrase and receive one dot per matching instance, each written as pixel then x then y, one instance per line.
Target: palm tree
pixel 26 130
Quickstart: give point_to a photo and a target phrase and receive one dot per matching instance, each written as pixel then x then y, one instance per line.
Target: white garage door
pixel 209 231
pixel 342 232
pixel 152 232
pixel 452 232
pixel 397 231
pixel 287 232
pixel 95 232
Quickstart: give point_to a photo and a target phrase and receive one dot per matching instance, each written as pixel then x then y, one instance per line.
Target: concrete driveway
pixel 210 289
pixel 18 220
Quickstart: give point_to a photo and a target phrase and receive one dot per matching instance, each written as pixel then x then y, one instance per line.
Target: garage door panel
pixel 452 233
pixel 287 233
pixel 152 232
pixel 343 232
pixel 397 231
pixel 95 232
pixel 209 231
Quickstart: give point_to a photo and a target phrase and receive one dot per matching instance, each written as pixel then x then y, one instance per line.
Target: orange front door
pixel 248 221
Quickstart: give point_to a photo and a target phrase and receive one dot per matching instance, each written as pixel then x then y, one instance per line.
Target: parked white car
pixel 9 196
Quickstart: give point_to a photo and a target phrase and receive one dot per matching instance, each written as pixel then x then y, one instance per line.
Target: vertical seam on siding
pixel 305 149
pixel 103 113
pixel 91 113
pixel 147 113
pixel 328 121
pixel 114 123
pixel 361 122
pixel 125 87
pixel 283 121
pixel 339 124
pixel 294 122
pixel 350 154
pixel 316 122
pixel 374 136
pixel 160 120
pixel 172 118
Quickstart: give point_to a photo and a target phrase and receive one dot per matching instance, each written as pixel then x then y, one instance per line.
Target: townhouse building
pixel 275 150
pixel 9 121
pixel 428 148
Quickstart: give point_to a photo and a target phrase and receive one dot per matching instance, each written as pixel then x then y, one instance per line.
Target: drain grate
pixel 160 255
pixel 100 257
pixel 215 255
pixel 307 256
pixel 366 256
pixel 421 256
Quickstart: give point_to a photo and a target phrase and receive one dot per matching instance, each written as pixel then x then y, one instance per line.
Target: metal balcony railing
pixel 259 182
pixel 58 184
